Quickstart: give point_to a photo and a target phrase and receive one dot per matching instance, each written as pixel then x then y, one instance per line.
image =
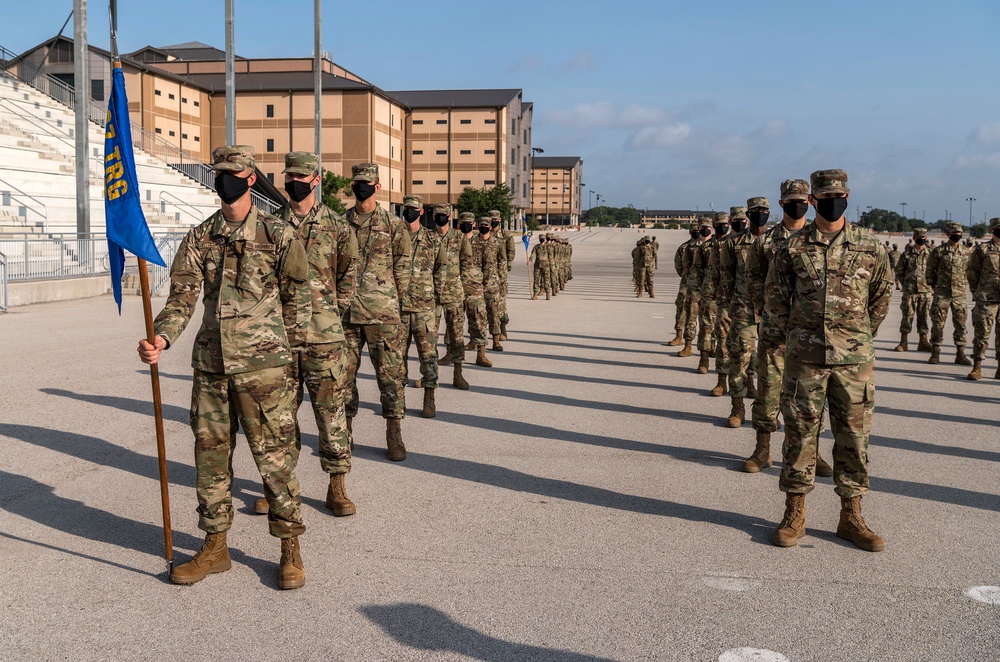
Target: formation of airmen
pixel 552 265
pixel 290 302
pixel 645 260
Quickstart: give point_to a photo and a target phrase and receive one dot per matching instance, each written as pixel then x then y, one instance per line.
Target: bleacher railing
pixel 11 196
pixel 3 282
pixel 54 256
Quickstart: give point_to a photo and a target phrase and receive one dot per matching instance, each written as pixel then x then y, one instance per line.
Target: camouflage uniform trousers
pixel 707 317
pixel 492 302
pixel 420 328
pixel 475 312
pixel 850 392
pixel 939 315
pixel 645 281
pixel 504 317
pixel 541 281
pixel 692 315
pixel 680 317
pixel 385 349
pixel 984 316
pixel 914 304
pixel 742 355
pixel 454 329
pixel 322 368
pixel 767 404
pixel 722 325
pixel 261 401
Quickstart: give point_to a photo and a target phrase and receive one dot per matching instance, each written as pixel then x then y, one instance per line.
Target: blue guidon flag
pixel 526 238
pixel 126 224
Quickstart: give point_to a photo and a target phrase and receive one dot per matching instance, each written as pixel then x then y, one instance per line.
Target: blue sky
pixel 670 104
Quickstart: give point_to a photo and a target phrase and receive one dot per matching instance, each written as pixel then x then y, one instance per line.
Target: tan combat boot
pixel 445 359
pixel 761 458
pixel 902 346
pixel 418 383
pixel 212 557
pixel 751 387
pixel 738 415
pixel 651 295
pixel 534 295
pixel 336 497
pixel 721 387
pixel 997 375
pixel 458 381
pixel 503 331
pixel 471 345
pixel 291 572
pixel 960 357
pixel 852 526
pixel 823 469
pixel 350 432
pixel 430 410
pixel 261 507
pixel 977 370
pixel 793 524
pixel 677 340
pixel 497 347
pixel 481 359
pixel 703 364
pixel 394 440
pixel 923 345
pixel 687 350
pixel 935 355
pixel 547 296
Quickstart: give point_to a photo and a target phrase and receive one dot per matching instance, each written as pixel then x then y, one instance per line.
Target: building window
pixel 465 182
pixel 442 182
pixel 157 93
pixel 270 177
pixel 184 100
pixel 197 139
pixel 418 121
pixel 465 121
pixel 172 134
pixel 465 151
pixel 184 136
pixel 489 182
pixel 525 141
pixel 513 155
pixel 525 194
pixel 441 151
pixel 491 151
pixel 97 90
pixel 491 121
pixel 525 167
pixel 269 110
pixel 171 97
pixel 159 130
pixel 442 121
pixel 61 52
pixel 513 127
pixel 418 182
pixel 196 104
pixel 270 144
pixel 418 151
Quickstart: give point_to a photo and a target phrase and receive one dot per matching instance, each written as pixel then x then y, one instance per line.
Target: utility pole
pixel 903 205
pixel 81 85
pixel 970 201
pixel 318 89
pixel 230 74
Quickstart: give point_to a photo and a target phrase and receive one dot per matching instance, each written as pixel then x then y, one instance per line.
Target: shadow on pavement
pixel 543 374
pixel 935 449
pixel 429 629
pixel 585 337
pixel 933 416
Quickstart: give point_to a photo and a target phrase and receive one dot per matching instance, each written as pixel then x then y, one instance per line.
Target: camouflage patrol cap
pixel 233 158
pixel 829 181
pixel 705 222
pixel 758 202
pixel 919 232
pixel 301 163
pixel 953 227
pixel 467 216
pixel 895 246
pixel 364 172
pixel 495 214
pixel 737 212
pixel 483 220
pixel 994 223
pixel 442 208
pixel 414 201
pixel 721 217
pixel 795 189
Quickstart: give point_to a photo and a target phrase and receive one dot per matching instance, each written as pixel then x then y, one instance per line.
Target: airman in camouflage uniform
pixel 644 275
pixel 472 282
pixel 682 264
pixel 946 274
pixel 493 261
pixel 507 251
pixel 698 262
pixel 705 261
pixel 318 357
pixel 541 272
pixel 254 273
pixel 637 263
pixel 743 317
pixel 827 293
pixel 374 316
pixel 450 295
pixel 723 243
pixel 555 262
pixel 911 270
pixel 893 261
pixel 984 281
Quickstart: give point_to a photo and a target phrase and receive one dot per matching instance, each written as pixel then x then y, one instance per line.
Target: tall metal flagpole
pixel 154 370
pixel 81 82
pixel 230 75
pixel 318 87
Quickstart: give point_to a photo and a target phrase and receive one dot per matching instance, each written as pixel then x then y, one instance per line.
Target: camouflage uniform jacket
pixel 255 286
pixel 428 258
pixel 825 301
pixel 911 271
pixel 540 255
pixel 383 268
pixel 894 259
pixel 984 272
pixel 507 241
pixel 699 266
pixel 733 277
pixel 472 267
pixel 946 269
pixel 648 255
pixel 759 262
pixel 332 251
pixel 682 261
pixel 486 252
pixel 457 252
pixel 710 272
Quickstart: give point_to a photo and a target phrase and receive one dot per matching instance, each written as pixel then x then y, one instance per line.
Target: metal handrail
pixel 167 246
pixel 3 282
pixel 45 215
pixel 178 202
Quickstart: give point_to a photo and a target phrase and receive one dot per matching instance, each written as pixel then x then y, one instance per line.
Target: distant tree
pixel 533 223
pixel 658 226
pixel 481 200
pixel 332 186
pixel 978 231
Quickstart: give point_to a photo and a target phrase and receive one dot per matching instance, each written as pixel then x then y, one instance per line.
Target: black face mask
pixel 230 187
pixel 705 232
pixel 441 220
pixel 483 230
pixel 739 226
pixel 759 218
pixel 920 241
pixel 494 224
pixel 795 209
pixel 722 230
pixel 363 190
pixel 411 214
pixel 694 234
pixel 465 227
pixel 955 238
pixel 298 190
pixel 831 208
pixel 996 232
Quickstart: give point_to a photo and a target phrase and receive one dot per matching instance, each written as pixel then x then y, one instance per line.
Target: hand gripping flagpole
pixel 127 229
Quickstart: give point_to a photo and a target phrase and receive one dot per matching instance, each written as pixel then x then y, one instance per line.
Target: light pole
pixel 599 216
pixel 531 180
pixel 903 205
pixel 946 216
pixel 970 201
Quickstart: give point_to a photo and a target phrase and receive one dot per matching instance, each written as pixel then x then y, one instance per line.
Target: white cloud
pixel 987 133
pixel 635 115
pixel 661 135
pixel 581 61
pixel 599 113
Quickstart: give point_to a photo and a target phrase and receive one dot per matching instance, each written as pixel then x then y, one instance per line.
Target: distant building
pixel 650 217
pixel 556 189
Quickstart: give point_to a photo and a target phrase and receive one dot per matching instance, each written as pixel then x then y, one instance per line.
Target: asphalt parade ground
pixel 583 501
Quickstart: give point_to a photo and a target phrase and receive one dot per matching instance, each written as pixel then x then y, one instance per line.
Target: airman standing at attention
pixel 655 245
pixel 374 316
pixel 946 274
pixel 507 251
pixel 637 264
pixel 472 282
pixel 494 261
pixel 827 293
pixel 912 271
pixel 646 261
pixel 541 276
pixel 695 276
pixel 451 295
pixel 704 268
pixel 682 264
pixel 893 261
pixel 984 281
pixel 724 243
